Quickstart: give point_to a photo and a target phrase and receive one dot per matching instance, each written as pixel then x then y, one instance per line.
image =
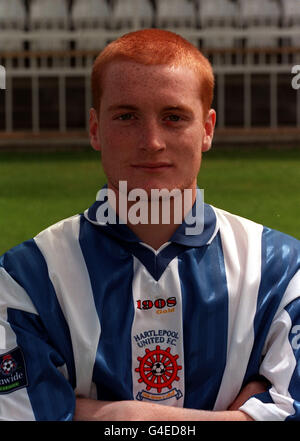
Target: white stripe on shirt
pixel 12 295
pixel 69 276
pixel 145 287
pixel 241 242
pixel 278 367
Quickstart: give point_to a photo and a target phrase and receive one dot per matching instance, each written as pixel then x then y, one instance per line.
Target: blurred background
pixel 48 47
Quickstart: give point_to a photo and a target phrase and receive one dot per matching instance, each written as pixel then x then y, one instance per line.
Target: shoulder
pixel 27 258
pixel 242 228
pixel 236 223
pixel 241 238
pixel 65 228
pixel 270 255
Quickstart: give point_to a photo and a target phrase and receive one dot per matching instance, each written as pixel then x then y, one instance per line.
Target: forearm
pixel 93 410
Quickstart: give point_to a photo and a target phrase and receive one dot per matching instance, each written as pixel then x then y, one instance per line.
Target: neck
pixel 154 235
pixel 154 221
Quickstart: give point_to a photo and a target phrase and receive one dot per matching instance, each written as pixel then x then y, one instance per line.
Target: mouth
pixel 152 166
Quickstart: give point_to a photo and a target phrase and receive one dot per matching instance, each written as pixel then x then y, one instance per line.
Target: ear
pixel 94 130
pixel 209 127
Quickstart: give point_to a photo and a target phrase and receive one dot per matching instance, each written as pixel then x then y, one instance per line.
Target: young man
pixel 105 318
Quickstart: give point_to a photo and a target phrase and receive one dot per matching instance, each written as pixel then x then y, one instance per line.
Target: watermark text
pixel 161 207
pixel 2 77
pixel 296 78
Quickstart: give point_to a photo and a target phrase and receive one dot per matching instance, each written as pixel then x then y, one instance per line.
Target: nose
pixel 152 137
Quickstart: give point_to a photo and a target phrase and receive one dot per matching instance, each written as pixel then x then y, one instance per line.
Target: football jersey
pixel 89 310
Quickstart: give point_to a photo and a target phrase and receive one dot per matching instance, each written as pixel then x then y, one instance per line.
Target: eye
pixel 173 118
pixel 125 117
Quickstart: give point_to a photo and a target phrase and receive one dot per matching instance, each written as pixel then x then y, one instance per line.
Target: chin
pixel 153 184
pixel 156 186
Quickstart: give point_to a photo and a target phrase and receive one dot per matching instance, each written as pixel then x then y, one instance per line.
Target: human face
pixel 150 127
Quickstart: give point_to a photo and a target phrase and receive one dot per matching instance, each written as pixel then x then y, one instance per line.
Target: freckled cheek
pixel 189 158
pixel 118 138
pixel 189 148
pixel 112 142
pixel 116 155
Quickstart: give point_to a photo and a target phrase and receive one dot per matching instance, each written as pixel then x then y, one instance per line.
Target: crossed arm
pixel 93 410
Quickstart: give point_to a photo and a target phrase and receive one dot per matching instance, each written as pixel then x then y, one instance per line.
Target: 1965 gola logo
pixel 158 304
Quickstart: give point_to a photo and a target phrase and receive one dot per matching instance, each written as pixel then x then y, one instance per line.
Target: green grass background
pixel 39 189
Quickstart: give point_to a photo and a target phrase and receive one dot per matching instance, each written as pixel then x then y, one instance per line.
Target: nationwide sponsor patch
pixel 13 374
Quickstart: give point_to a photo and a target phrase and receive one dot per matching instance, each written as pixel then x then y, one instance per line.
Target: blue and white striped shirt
pixel 87 309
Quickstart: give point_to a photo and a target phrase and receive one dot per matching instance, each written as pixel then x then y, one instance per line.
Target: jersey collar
pixel 124 233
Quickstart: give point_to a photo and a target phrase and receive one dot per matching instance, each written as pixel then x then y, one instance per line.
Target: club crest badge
pixel 158 370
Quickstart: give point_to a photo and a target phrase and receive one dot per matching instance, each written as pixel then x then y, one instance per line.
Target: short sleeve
pixel 36 368
pixel 281 366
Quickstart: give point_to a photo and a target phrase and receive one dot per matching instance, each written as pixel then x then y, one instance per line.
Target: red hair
pixel 155 47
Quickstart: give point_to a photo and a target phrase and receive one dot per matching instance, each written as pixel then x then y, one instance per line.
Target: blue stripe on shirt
pixel 52 397
pixel 205 315
pixel 280 261
pixel 293 309
pixel 44 339
pixel 111 280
